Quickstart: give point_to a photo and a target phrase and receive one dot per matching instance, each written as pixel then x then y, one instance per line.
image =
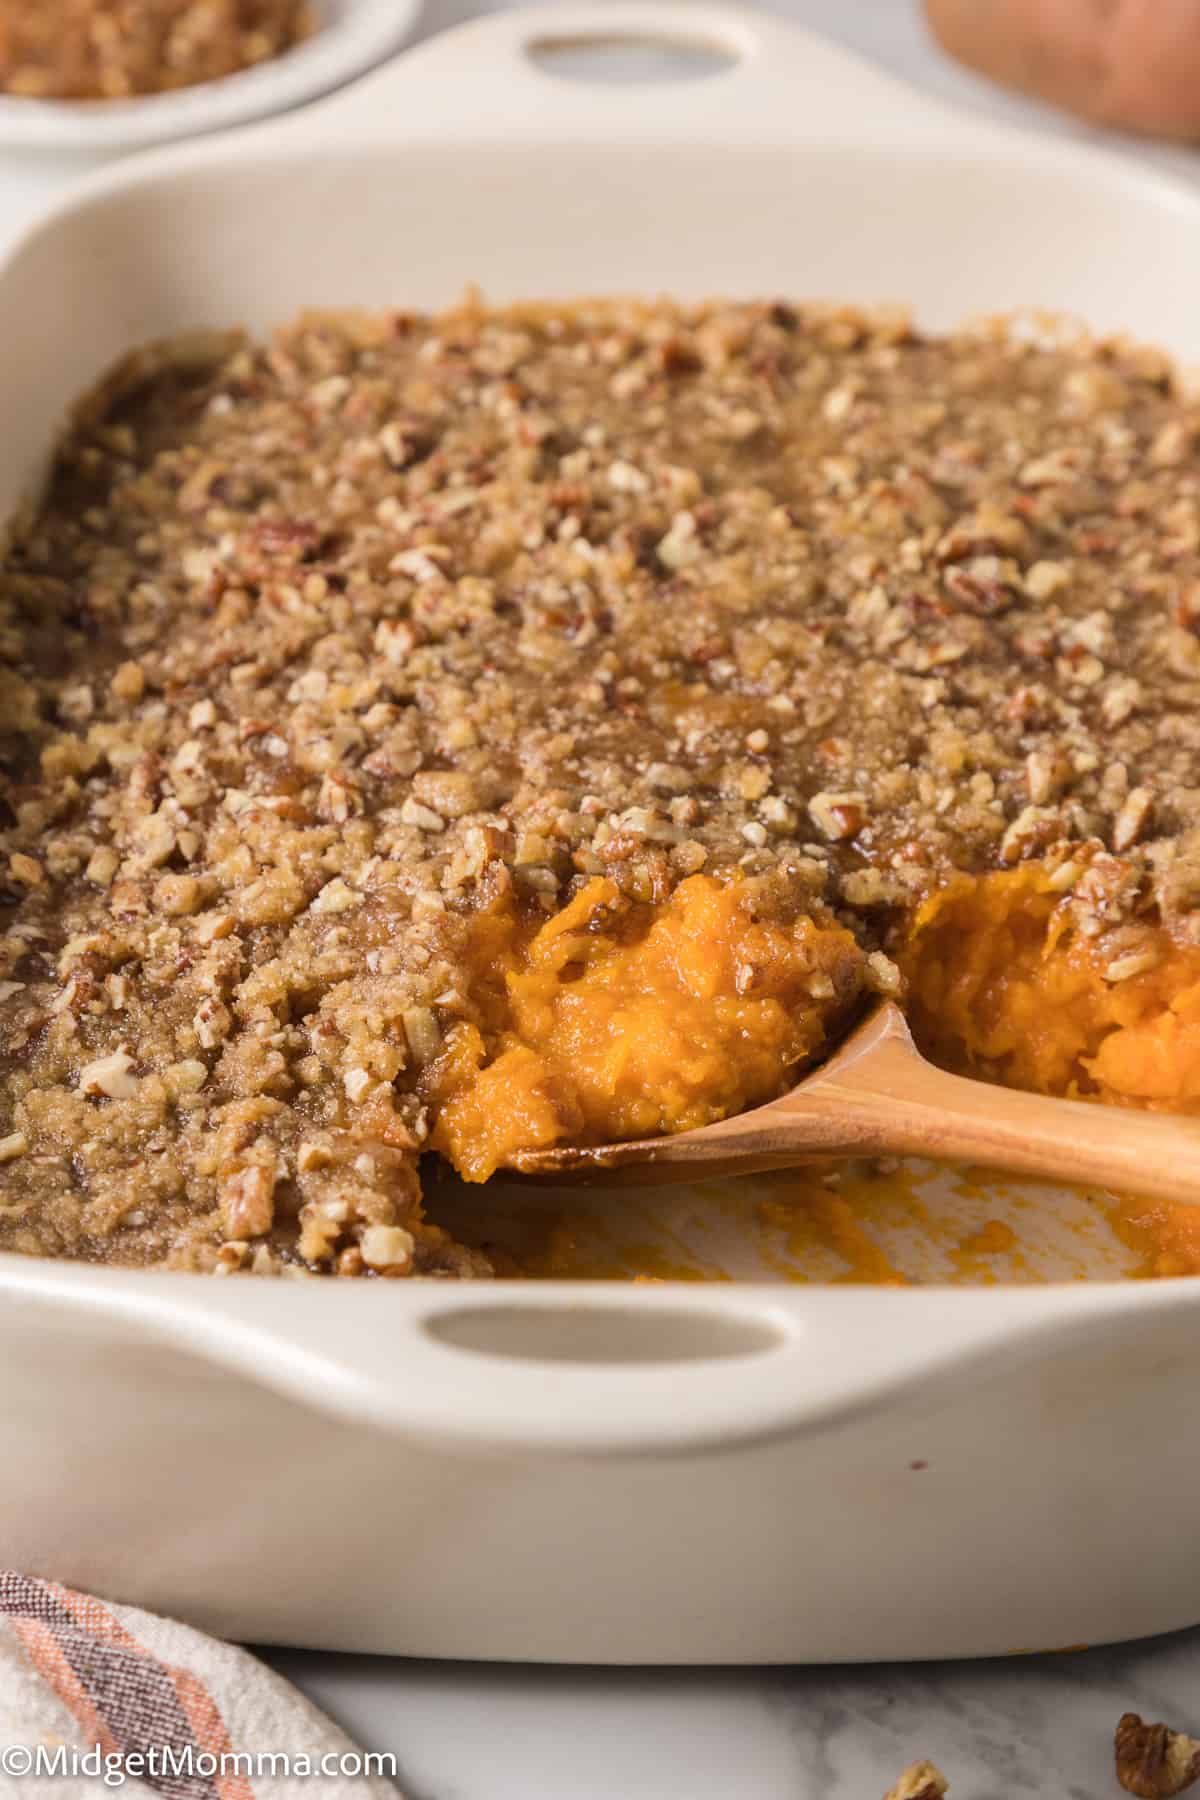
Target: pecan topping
pixel 319 645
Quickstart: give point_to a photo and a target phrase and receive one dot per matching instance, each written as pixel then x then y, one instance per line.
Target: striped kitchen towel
pixel 97 1698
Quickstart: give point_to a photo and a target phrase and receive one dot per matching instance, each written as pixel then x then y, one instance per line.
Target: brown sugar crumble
pixel 315 647
pixel 114 49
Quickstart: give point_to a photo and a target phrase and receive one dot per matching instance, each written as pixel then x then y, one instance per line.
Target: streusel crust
pixel 115 49
pixel 316 644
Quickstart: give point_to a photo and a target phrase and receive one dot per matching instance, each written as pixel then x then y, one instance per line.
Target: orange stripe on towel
pixel 45 1652
pixel 95 1617
pixel 208 1726
pixel 199 1708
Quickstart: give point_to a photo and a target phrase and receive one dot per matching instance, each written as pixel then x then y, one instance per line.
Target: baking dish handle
pixel 490 73
pixel 583 1369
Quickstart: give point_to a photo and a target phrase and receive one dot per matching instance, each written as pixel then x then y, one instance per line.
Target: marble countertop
pixel 1020 1727
pixel 1033 1726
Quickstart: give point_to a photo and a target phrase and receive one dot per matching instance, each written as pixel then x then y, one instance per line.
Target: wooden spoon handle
pixel 888 1098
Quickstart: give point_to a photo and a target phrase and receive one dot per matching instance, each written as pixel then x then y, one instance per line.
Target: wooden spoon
pixel 879 1096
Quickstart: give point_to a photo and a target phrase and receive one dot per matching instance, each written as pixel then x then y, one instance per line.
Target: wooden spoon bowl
pixel 879 1096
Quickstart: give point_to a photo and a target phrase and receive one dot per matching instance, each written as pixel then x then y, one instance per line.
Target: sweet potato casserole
pixel 466 734
pixel 114 49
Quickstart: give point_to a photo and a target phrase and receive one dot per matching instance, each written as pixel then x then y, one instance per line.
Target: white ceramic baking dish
pixel 740 1472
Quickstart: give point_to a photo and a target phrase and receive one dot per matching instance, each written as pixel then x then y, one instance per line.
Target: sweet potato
pixel 1134 64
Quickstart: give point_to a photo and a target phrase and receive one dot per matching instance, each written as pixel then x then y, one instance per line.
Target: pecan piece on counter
pixel 1153 1761
pixel 920 1781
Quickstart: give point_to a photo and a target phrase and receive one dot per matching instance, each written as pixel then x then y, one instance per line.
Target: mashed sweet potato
pixel 1003 985
pixel 614 1020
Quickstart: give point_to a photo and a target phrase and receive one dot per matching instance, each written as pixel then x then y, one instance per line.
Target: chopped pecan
pixel 1152 1761
pixel 248 1202
pixel 109 1076
pixel 838 816
pixel 984 592
pixel 678 357
pixel 295 540
pixel 920 1781
pixel 1133 819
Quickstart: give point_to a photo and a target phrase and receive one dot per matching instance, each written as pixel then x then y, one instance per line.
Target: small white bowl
pixel 350 37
